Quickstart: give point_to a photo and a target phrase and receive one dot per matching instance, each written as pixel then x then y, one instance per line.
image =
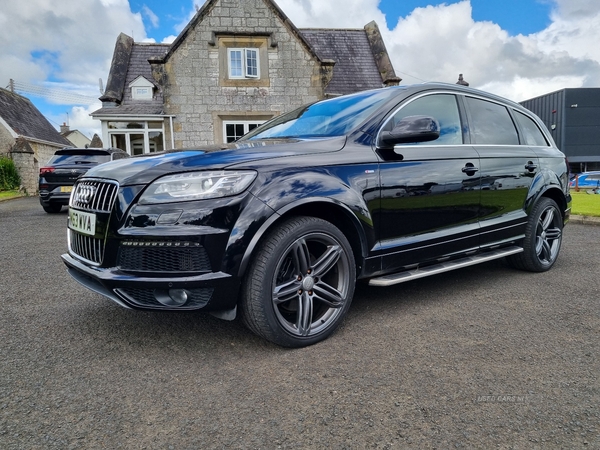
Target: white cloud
pixel 70 40
pixel 80 119
pixel 436 43
pixel 169 39
pixel 332 13
pixel 149 14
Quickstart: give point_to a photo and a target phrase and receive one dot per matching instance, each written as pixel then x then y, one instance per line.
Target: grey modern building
pixel 573 117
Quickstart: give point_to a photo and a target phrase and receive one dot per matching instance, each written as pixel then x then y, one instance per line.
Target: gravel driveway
pixel 484 357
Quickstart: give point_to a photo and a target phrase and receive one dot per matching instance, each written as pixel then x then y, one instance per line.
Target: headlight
pixel 197 186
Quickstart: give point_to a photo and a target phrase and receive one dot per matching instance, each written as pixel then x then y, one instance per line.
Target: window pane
pixel 490 123
pixel 155 125
pixel 251 63
pixel 156 141
pixel 443 108
pixel 117 125
pixel 236 129
pixel 235 63
pixel 531 133
pixel 137 144
pixel 118 141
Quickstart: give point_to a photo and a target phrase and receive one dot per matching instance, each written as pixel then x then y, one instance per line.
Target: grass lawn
pixel 9 194
pixel 585 204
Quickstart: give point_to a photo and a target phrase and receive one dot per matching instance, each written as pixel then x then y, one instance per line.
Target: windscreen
pixel 327 118
pixel 87 159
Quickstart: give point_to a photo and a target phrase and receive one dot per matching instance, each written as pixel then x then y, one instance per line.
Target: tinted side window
pixel 490 123
pixel 443 108
pixel 531 133
pixel 78 159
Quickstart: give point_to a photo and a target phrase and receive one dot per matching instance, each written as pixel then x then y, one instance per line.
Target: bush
pixel 9 177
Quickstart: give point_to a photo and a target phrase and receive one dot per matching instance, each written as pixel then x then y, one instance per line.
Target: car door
pixel 508 167
pixel 429 191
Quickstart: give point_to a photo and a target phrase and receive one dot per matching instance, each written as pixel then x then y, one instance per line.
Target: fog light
pixel 173 297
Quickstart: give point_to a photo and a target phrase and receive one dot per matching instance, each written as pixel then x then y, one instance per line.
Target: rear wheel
pixel 300 284
pixel 543 237
pixel 52 208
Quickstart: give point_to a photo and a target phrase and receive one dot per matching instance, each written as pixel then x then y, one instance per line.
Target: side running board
pixel 401 277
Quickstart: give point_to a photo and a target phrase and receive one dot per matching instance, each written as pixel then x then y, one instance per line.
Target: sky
pixel 518 49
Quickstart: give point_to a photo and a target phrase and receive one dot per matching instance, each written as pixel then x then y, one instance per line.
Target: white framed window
pixel 142 94
pixel 243 63
pixel 141 89
pixel 235 129
pixel 137 138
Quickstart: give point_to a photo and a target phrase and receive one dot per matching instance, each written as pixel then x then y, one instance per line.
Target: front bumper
pixel 210 292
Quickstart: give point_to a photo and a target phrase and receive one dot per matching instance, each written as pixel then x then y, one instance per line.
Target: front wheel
pixel 543 237
pixel 300 284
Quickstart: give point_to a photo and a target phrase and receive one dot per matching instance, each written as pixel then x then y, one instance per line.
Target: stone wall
pixel 28 158
pixel 196 90
pixel 25 165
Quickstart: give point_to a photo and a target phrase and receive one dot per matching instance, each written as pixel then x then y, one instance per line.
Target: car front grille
pixel 147 298
pixel 163 256
pixel 96 196
pixel 86 247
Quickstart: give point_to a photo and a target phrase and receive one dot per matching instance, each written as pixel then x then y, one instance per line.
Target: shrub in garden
pixel 9 177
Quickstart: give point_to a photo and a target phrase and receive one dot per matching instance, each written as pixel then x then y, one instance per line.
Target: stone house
pixel 236 64
pixel 26 137
pixel 75 137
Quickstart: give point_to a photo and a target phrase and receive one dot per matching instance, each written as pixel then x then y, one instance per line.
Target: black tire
pixel 300 284
pixel 52 208
pixel 543 237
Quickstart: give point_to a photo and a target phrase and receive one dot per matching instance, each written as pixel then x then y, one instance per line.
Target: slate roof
pixel 26 120
pixel 137 65
pixel 355 67
pixel 361 62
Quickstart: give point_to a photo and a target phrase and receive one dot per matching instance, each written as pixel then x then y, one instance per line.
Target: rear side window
pixel 443 108
pixel 531 133
pixel 78 159
pixel 490 123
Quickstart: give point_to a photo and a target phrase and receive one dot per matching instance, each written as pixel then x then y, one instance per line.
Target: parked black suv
pixel 384 186
pixel 60 173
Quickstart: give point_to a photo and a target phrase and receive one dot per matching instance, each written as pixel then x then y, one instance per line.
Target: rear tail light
pixel 45 170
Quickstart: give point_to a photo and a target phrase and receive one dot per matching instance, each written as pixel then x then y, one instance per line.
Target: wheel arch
pixel 550 186
pixel 327 209
pixel 557 195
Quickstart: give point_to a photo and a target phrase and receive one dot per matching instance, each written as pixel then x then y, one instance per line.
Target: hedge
pixel 9 177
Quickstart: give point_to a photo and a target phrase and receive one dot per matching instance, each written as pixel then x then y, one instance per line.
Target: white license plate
pixel 83 222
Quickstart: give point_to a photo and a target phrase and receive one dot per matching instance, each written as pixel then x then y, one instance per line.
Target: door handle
pixel 469 169
pixel 531 166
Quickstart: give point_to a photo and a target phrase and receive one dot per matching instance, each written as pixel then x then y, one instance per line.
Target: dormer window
pixel 141 89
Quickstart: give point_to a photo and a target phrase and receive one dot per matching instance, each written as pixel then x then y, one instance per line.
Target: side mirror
pixel 411 129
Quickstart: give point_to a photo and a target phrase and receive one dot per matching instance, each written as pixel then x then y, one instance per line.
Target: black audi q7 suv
pixel 384 186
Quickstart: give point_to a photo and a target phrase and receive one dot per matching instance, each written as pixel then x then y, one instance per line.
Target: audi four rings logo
pixel 85 194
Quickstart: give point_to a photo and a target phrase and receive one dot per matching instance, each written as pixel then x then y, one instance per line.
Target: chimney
pixel 64 128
